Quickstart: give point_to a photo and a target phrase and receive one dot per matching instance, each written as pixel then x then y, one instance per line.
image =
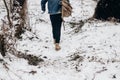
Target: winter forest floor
pixel 93 53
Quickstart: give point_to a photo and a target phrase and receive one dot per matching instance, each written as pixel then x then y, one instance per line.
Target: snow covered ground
pixel 91 54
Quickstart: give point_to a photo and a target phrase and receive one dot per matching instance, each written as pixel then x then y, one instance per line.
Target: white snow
pixel 98 43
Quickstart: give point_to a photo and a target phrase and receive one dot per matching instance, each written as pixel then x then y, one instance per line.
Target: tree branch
pixel 8 14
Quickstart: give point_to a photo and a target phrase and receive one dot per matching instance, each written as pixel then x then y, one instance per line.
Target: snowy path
pixel 43 30
pixel 96 45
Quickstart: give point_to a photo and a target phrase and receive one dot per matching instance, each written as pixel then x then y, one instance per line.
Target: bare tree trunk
pixel 10 32
pixel 11 5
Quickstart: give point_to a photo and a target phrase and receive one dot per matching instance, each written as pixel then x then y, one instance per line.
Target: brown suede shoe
pixel 57 47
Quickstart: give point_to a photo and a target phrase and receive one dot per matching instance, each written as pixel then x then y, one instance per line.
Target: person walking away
pixel 54 9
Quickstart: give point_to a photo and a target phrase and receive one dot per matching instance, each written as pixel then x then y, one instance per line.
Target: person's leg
pixel 56 22
pixel 53 25
pixel 58 28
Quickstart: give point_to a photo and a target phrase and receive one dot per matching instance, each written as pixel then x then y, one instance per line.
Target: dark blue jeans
pixel 56 21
